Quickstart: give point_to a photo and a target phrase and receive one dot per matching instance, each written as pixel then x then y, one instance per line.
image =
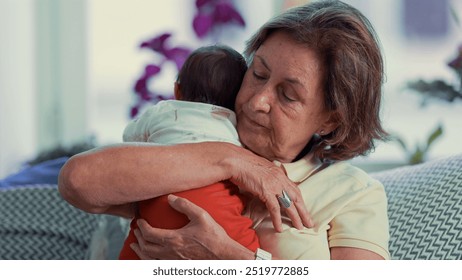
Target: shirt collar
pixel 300 170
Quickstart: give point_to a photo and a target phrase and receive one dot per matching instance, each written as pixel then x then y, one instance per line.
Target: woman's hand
pixel 266 181
pixel 202 238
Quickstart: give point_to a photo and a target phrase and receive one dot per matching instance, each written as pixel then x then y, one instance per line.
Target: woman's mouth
pixel 254 123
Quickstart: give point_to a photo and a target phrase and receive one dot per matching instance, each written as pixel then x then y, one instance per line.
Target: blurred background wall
pixel 67 68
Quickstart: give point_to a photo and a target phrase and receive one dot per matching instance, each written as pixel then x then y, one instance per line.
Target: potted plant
pixel 436 89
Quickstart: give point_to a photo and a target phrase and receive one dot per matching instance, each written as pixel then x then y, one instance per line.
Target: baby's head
pixel 211 75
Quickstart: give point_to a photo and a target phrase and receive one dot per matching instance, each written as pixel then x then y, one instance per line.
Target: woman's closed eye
pixel 286 96
pixel 259 76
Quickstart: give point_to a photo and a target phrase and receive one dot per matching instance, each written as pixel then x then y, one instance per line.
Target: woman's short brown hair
pixel 348 48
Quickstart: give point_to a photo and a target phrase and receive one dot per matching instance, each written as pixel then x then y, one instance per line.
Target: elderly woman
pixel 309 101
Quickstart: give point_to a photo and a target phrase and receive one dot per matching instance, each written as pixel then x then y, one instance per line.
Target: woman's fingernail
pixel 311 223
pixel 171 197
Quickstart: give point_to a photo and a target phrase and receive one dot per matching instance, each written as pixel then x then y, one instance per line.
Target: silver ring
pixel 284 200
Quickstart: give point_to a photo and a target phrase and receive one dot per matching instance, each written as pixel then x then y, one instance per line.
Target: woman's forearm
pixel 110 179
pixel 97 180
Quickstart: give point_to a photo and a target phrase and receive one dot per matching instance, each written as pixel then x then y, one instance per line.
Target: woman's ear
pixel 177 91
pixel 329 125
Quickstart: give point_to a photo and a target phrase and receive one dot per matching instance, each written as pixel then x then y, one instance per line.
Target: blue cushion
pixel 43 173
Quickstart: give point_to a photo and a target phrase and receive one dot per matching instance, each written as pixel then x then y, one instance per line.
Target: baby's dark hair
pixel 213 75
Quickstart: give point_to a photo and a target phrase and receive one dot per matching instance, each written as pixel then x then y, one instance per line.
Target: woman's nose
pixel 261 101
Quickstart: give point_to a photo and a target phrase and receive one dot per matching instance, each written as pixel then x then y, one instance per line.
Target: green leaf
pixel 437 89
pixel 454 15
pixel 417 156
pixel 435 135
pixel 400 141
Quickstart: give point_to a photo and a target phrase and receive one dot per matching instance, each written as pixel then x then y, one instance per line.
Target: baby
pixel 205 93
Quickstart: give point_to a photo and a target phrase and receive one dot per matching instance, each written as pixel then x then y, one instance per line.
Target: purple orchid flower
pixel 225 13
pixel 211 13
pixel 151 70
pixel 141 85
pixel 134 110
pixel 201 3
pixel 456 63
pixel 144 94
pixel 177 55
pixel 202 24
pixel 157 44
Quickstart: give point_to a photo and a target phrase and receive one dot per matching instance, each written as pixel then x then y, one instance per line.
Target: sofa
pixel 424 205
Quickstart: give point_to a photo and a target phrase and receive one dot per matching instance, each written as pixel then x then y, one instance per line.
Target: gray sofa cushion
pixel 425 209
pixel 36 223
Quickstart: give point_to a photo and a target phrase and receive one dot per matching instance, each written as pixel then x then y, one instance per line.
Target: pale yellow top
pixel 348 207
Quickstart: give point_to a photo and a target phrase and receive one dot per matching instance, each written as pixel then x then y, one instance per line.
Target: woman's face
pixel 280 104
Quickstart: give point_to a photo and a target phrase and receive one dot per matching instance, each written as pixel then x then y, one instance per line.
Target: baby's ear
pixel 177 91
